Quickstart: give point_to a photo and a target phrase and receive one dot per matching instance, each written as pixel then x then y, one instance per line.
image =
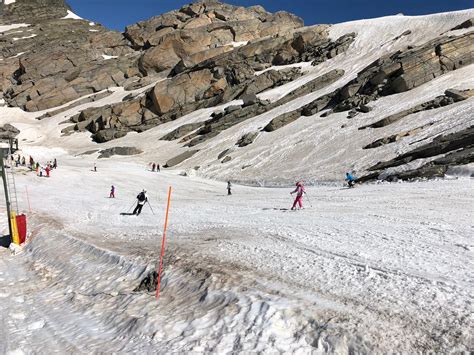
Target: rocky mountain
pixel 235 91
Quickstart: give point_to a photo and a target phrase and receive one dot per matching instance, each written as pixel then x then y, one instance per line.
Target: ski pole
pixel 128 211
pixel 149 204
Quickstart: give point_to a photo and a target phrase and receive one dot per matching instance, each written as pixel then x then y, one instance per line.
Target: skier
pixel 299 195
pixel 350 180
pixel 112 192
pixel 47 171
pixel 95 168
pixel 229 188
pixel 158 168
pixel 153 167
pixel 142 199
pixel 55 164
pixel 23 161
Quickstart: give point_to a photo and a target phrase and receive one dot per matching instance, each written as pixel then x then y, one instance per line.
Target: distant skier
pixel 229 188
pixel 350 180
pixel 112 192
pixel 153 167
pixel 158 168
pixel 142 199
pixel 23 161
pixel 95 168
pixel 300 191
pixel 55 164
pixel 48 170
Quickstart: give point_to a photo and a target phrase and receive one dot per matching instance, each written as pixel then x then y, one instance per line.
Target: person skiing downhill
pixel 350 180
pixel 229 188
pixel 142 199
pixel 112 192
pixel 300 190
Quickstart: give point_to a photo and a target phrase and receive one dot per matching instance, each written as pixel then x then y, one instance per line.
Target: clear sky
pixel 117 14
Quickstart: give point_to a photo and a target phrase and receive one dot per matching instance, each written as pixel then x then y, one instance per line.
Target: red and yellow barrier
pixel 15 236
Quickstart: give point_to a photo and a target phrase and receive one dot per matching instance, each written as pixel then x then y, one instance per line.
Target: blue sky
pixel 116 14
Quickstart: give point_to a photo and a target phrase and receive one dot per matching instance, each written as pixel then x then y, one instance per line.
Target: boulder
pixel 107 153
pixel 247 139
pixel 180 158
pixel 8 131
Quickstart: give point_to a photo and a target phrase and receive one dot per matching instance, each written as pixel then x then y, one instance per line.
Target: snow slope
pixel 384 267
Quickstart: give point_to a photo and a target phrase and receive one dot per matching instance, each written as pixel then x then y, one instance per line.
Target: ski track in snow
pixel 383 267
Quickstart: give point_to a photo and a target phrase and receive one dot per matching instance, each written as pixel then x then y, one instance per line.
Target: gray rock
pixel 107 153
pixel 8 131
pixel 226 159
pixel 247 139
pixel 180 158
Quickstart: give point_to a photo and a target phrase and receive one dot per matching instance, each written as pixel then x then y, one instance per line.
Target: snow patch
pixel 71 15
pixel 4 28
pixel 26 37
pixel 107 57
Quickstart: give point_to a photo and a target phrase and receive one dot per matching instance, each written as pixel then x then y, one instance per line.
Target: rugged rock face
pixel 33 11
pixel 203 30
pixel 450 96
pixel 458 147
pixel 54 61
pixel 406 70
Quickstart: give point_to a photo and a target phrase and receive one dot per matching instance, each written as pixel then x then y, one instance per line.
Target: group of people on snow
pixel 155 167
pixel 41 170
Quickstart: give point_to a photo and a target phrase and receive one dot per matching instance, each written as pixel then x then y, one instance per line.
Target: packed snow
pixel 379 268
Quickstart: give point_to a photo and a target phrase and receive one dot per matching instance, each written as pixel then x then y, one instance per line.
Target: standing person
pixel 229 188
pixel 55 164
pixel 95 168
pixel 37 168
pixel 153 167
pixel 158 168
pixel 23 161
pixel 112 192
pixel 300 191
pixel 47 170
pixel 350 180
pixel 142 199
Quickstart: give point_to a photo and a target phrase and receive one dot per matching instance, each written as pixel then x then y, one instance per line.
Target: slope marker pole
pixel 163 245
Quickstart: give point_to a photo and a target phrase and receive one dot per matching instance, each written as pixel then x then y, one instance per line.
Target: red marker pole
pixel 163 245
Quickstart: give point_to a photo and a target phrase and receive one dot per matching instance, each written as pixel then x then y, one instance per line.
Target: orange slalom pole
pixel 163 245
pixel 28 198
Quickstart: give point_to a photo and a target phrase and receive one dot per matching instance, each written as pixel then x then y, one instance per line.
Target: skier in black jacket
pixel 142 199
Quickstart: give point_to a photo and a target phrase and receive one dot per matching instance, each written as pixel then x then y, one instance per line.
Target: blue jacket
pixel 349 177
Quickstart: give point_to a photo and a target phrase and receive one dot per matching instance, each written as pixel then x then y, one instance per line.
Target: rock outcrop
pixel 203 30
pixel 405 70
pixel 8 131
pixel 33 11
pixel 54 61
pixel 458 149
pixel 450 97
